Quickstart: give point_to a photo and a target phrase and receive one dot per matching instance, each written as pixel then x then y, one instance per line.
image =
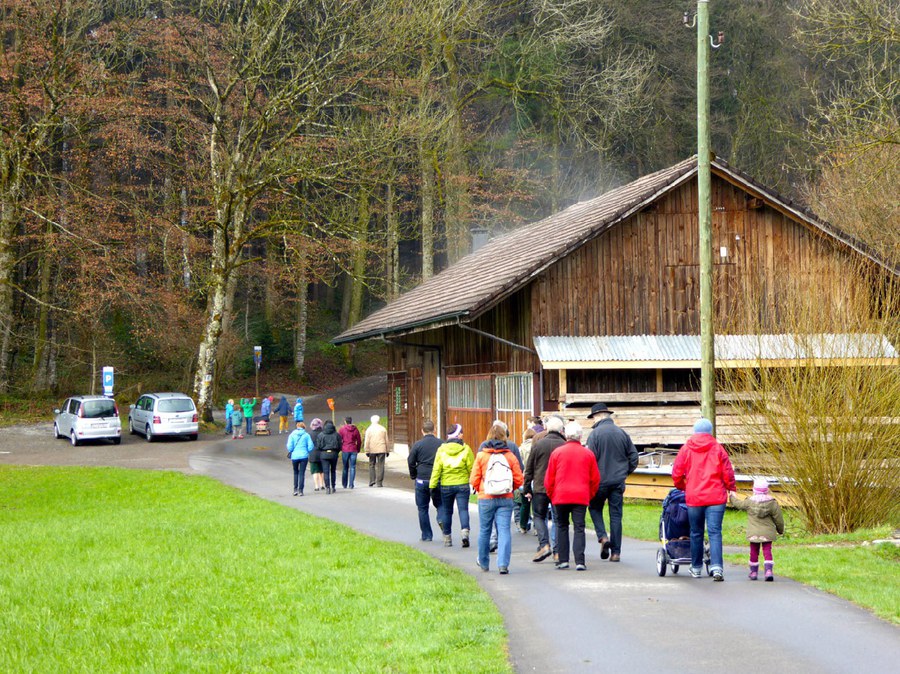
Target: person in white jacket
pixel 376 447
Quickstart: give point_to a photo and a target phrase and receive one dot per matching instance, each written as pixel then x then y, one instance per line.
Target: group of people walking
pixel 562 480
pixel 321 446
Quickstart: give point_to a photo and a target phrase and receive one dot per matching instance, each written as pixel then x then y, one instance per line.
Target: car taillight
pixel 116 408
pixel 156 420
pixel 81 412
pixel 195 418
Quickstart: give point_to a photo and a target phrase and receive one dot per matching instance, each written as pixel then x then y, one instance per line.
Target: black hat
pixel 597 408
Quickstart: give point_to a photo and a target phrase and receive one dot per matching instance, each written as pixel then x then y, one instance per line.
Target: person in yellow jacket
pixel 452 467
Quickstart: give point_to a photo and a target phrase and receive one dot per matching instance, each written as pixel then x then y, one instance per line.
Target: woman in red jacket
pixel 571 481
pixel 703 471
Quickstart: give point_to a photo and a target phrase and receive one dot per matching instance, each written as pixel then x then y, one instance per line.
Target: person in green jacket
pixel 764 524
pixel 452 467
pixel 247 406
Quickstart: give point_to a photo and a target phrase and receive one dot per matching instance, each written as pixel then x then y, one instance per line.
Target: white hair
pixel 555 424
pixel 573 431
pixel 501 424
pixel 375 419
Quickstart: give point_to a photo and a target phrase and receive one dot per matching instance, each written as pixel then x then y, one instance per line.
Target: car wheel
pixel 192 436
pixel 131 430
pixel 117 441
pixel 73 438
pixel 148 434
pixel 56 433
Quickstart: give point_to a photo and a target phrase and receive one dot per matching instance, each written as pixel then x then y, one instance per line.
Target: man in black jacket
pixel 535 469
pixel 617 457
pixel 421 461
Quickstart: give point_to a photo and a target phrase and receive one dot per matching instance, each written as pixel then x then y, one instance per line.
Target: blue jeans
pixel 492 510
pixel 458 493
pixel 424 496
pixel 249 421
pixel 299 473
pixel 712 517
pixel 228 425
pixel 348 474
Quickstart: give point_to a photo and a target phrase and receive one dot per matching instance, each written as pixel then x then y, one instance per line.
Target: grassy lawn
pixel 839 564
pixel 118 570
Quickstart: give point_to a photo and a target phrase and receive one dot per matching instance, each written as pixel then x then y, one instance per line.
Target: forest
pixel 181 180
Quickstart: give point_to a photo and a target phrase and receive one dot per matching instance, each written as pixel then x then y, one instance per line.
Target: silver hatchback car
pixel 164 414
pixel 88 418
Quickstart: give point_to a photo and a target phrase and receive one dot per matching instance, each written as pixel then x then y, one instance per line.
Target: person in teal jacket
pixel 299 445
pixel 229 408
pixel 247 406
pixel 298 410
pixel 452 467
pixel 237 418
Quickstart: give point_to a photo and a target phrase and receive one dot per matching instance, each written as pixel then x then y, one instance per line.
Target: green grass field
pixel 119 570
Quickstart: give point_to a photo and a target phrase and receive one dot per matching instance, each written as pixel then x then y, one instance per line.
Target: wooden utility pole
pixel 707 334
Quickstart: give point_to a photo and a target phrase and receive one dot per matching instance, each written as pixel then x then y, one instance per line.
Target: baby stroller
pixel 262 428
pixel 675 535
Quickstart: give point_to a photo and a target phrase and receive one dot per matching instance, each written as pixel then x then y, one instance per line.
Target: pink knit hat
pixel 760 486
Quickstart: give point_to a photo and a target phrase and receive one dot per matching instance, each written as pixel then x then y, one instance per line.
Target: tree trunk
pixel 392 254
pixel 39 378
pixel 359 258
pixel 302 319
pixel 7 269
pixel 456 174
pixel 426 167
pixel 206 357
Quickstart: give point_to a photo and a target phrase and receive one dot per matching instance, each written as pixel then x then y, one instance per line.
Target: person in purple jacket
pixel 351 442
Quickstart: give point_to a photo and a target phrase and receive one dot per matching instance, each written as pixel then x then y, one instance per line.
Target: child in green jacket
pixel 764 524
pixel 247 406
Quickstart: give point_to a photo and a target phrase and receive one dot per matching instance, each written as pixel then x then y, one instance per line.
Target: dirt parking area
pixel 34 445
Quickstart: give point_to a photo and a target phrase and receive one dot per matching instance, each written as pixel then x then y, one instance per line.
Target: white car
pixel 164 414
pixel 88 418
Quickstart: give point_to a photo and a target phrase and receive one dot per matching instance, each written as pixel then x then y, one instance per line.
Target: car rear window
pixel 95 409
pixel 175 405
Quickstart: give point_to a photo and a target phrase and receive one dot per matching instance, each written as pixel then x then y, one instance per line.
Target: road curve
pixel 613 617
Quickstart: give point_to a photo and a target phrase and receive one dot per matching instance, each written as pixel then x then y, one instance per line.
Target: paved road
pixel 613 617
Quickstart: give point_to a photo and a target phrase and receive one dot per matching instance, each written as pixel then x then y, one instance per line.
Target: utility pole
pixel 704 196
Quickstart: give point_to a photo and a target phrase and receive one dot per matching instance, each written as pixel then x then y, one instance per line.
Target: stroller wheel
pixel 674 568
pixel 661 561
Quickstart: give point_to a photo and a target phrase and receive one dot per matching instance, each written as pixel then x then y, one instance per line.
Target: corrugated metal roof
pixel 681 348
pixel 482 279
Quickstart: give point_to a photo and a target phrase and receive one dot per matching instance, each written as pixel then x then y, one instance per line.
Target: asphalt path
pixel 612 617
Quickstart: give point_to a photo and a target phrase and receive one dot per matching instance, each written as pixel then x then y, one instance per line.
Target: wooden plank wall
pixel 642 276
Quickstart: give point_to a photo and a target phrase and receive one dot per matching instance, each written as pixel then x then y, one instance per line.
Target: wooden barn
pixel 600 303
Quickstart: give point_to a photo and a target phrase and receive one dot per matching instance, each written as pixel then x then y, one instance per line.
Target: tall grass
pixel 116 570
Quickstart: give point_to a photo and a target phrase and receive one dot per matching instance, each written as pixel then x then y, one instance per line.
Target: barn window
pixel 469 393
pixel 515 392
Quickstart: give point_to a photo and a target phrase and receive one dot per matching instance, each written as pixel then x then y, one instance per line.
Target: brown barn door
pixel 431 401
pixel 398 420
pixel 415 398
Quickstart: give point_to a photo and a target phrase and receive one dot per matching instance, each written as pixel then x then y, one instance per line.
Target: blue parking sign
pixel 108 381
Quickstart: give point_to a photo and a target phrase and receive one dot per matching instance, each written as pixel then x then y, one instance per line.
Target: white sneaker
pixel 696 573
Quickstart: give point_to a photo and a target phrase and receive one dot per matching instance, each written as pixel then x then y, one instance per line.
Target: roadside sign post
pixel 257 360
pixel 107 380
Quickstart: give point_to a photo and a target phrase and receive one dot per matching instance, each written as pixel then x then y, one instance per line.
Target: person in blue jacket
pixel 298 410
pixel 229 410
pixel 299 445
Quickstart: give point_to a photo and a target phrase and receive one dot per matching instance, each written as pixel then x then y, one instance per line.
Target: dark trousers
pixel 376 469
pixel 299 473
pixel 563 510
pixel 540 505
pixel 329 469
pixel 424 496
pixel 614 494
